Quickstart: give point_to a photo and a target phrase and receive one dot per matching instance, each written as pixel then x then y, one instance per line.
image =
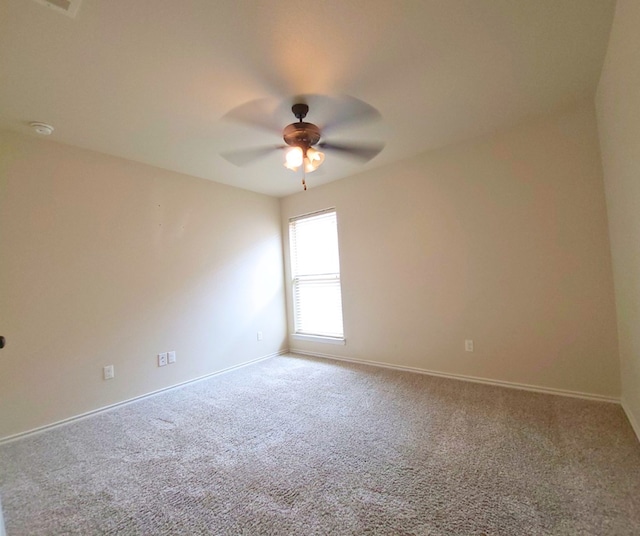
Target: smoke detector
pixel 41 128
pixel 68 7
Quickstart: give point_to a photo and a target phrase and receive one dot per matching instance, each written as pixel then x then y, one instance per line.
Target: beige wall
pixel 618 105
pixel 502 240
pixel 106 261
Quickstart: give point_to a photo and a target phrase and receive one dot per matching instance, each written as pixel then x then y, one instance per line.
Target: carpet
pixel 306 446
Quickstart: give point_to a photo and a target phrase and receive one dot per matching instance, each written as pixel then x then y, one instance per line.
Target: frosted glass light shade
pixel 293 158
pixel 313 160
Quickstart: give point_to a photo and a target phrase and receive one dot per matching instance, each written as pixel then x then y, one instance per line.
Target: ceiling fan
pixel 304 148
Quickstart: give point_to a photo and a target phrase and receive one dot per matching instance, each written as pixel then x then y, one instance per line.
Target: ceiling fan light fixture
pixel 313 160
pixel 301 138
pixel 293 158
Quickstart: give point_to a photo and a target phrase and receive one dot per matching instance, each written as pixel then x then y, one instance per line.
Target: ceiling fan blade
pixel 363 153
pixel 243 157
pixel 258 113
pixel 345 110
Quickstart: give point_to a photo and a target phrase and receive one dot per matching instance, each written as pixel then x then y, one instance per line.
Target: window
pixel 315 273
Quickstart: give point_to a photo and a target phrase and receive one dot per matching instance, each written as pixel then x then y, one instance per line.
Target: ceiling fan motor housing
pixel 301 134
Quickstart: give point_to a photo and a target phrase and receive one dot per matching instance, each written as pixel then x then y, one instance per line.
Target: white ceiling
pixel 150 80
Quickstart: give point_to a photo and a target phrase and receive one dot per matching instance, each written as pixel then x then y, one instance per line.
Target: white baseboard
pixel 632 418
pixel 75 418
pixel 474 379
pixel 2 530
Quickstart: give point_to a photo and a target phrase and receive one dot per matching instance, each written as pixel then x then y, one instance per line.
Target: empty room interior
pixel 345 267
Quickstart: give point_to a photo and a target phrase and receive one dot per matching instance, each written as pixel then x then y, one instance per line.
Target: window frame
pixel 296 278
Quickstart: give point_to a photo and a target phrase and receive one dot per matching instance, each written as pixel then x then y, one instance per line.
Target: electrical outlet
pixel 259 335
pixel 468 345
pixel 171 357
pixel 108 372
pixel 162 359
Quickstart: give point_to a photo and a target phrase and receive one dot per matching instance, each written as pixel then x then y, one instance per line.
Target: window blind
pixel 315 271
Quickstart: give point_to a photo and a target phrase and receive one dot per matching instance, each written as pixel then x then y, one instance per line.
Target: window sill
pixel 318 338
